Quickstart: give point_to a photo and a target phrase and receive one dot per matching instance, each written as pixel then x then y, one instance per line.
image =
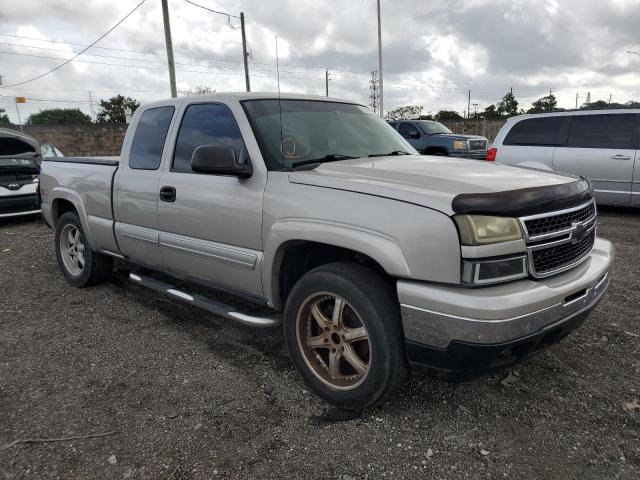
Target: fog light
pixel 481 272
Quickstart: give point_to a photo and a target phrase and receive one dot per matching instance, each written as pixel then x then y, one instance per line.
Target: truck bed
pixel 87 183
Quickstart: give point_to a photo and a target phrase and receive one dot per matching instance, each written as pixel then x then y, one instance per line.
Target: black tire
pixel 374 301
pixel 96 269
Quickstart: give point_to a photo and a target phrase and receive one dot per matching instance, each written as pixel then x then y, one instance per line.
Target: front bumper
pixel 440 322
pixel 16 205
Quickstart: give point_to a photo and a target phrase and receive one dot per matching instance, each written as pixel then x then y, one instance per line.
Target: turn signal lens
pixel 493 271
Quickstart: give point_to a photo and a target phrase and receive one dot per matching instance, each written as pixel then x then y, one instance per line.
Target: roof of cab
pixel 240 96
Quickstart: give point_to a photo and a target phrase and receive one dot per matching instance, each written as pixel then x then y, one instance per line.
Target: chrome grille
pixel 558 241
pixel 477 144
pixel 551 258
pixel 556 223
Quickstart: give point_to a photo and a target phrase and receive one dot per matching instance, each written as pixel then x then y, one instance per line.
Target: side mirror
pixel 414 134
pixel 219 160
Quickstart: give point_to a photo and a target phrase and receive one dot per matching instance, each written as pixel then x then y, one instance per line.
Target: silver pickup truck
pixel 372 257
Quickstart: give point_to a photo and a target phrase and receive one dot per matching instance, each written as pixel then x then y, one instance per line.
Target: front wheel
pixel 343 329
pixel 80 265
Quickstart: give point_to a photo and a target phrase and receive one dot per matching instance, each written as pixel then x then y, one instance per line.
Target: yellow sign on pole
pixel 21 100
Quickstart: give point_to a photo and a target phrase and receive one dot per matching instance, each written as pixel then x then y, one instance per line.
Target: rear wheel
pixel 342 325
pixel 80 265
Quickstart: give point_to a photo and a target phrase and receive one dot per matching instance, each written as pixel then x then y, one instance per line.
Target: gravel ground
pixel 190 396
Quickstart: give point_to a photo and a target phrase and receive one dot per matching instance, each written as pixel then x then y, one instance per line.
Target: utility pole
pixel 167 39
pixel 244 53
pixel 91 105
pixel 326 81
pixel 380 83
pixel 18 112
pixel 550 95
pixel 609 100
pixel 577 93
pixel 374 95
pixel 469 105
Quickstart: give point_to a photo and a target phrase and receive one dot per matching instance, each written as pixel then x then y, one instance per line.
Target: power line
pixel 82 51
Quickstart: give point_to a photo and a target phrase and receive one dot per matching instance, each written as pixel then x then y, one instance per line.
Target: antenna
pixel 278 66
pixel 280 105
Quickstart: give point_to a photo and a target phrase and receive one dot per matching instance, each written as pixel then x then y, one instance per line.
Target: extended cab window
pixel 602 131
pixel 148 139
pixel 541 132
pixel 206 124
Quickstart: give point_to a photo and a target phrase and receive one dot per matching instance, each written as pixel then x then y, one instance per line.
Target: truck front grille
pixel 553 258
pixel 558 241
pixel 477 145
pixel 554 223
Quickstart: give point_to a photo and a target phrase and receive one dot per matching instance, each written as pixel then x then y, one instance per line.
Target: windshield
pixel 431 128
pixel 318 130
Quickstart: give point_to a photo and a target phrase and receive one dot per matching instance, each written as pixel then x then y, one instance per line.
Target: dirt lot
pixel 192 396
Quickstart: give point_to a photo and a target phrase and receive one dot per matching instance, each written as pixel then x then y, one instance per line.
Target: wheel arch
pixel 287 258
pixel 66 200
pixel 439 150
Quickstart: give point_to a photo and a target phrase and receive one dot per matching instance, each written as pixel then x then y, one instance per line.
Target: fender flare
pixel 63 193
pixel 380 247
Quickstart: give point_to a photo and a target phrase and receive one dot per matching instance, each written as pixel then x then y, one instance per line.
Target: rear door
pixel 602 148
pixel 211 229
pixel 135 190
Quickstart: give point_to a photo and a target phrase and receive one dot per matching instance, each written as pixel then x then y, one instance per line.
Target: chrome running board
pixel 213 306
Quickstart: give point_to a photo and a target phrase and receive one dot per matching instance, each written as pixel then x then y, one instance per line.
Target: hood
pixel 14 144
pixel 432 182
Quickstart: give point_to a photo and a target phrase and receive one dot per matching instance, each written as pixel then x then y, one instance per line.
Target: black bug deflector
pixel 526 201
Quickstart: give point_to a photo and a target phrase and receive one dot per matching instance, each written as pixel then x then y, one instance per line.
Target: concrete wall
pixel 486 128
pixel 80 140
pixel 98 140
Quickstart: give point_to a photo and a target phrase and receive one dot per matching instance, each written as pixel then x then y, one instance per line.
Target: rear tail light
pixel 491 154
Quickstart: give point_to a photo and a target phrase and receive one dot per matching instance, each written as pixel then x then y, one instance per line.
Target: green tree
pixel 4 118
pixel 602 105
pixel 508 106
pixel 114 109
pixel 407 112
pixel 491 113
pixel 447 115
pixel 57 116
pixel 199 90
pixel 544 104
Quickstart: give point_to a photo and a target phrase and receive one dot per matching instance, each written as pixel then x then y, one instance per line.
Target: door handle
pixel 168 194
pixel 619 156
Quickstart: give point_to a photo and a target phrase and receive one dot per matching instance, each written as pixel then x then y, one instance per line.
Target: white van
pixel 600 145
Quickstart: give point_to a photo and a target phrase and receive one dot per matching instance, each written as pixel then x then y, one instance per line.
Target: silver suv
pixel 599 145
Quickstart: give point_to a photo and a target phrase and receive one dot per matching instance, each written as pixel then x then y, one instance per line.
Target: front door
pixel 210 225
pixel 412 135
pixel 135 189
pixel 602 148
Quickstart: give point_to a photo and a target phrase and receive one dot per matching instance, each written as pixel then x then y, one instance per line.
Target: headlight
pixel 483 230
pixel 460 145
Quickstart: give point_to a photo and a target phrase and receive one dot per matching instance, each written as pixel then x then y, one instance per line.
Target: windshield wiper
pixel 390 154
pixel 332 157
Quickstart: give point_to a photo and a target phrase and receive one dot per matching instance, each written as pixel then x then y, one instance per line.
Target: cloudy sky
pixel 434 50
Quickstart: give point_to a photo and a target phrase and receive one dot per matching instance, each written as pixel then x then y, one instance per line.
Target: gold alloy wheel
pixel 333 341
